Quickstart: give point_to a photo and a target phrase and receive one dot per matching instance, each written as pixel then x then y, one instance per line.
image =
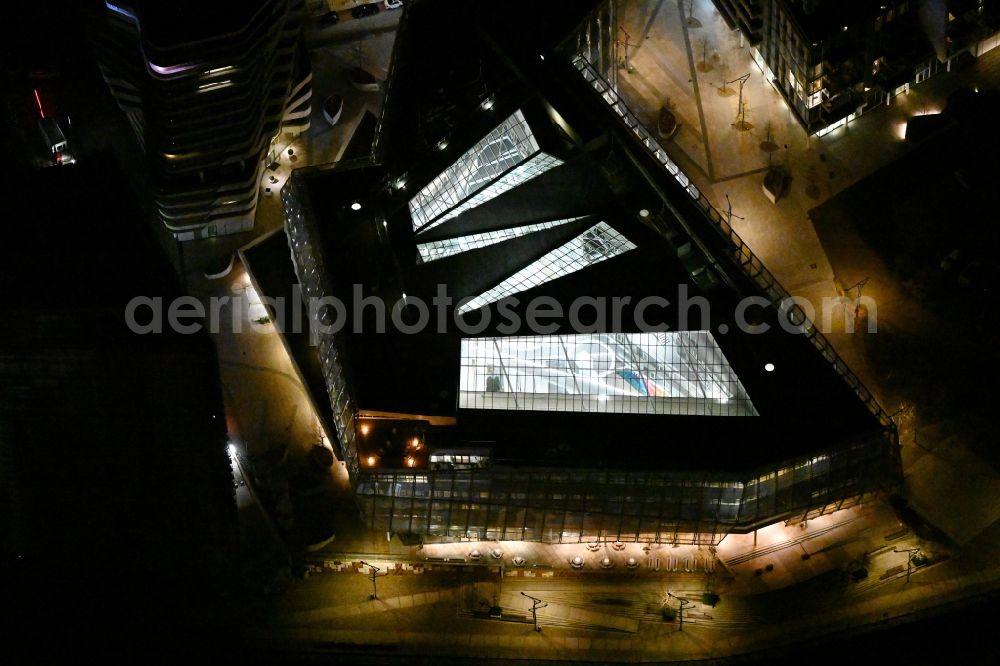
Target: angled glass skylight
pixel 503 159
pixel 593 246
pixel 446 248
pixel 676 372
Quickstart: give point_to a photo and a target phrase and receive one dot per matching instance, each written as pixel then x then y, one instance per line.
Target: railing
pixel 741 253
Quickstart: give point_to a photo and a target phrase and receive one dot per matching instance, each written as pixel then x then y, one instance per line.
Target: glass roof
pixel 675 372
pixel 593 246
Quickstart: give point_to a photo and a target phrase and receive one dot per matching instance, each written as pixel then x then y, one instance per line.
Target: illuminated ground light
pixel 769 367
pixel 356 206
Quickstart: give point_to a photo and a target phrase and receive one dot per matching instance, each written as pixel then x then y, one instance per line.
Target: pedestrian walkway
pixel 691 69
pixel 379 605
pixel 796 541
pixel 529 559
pixel 616 621
pixel 559 614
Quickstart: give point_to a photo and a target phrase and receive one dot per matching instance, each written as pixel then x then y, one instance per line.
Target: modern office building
pixel 614 363
pixel 207 87
pixel 834 59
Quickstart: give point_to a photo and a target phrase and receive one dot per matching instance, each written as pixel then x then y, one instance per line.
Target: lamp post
pixel 683 603
pixel 536 603
pixel 857 299
pixel 625 44
pixel 729 212
pixel 373 575
pixel 740 123
pixel 909 560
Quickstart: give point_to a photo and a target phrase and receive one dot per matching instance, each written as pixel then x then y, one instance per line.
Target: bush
pixel 710 599
pixel 668 613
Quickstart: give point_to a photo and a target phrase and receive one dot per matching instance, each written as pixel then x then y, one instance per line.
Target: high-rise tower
pixel 206 87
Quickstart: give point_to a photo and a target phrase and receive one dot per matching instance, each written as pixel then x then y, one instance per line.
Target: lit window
pixel 214 86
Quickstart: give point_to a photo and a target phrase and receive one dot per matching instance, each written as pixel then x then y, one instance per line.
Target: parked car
pixel 329 18
pixel 364 10
pixel 392 4
pixel 333 107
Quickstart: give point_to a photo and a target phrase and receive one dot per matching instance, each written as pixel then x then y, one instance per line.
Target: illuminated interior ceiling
pixel 452 246
pixel 502 160
pixel 593 246
pixel 677 372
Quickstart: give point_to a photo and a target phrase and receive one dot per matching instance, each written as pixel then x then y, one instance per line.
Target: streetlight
pixel 680 610
pixel 628 67
pixel 740 123
pixel 857 299
pixel 536 603
pixel 909 560
pixel 729 212
pixel 373 575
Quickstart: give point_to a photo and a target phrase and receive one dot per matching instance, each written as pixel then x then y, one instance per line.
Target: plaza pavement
pixel 602 619
pixel 667 60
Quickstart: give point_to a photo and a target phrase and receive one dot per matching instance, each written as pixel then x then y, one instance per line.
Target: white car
pixel 392 4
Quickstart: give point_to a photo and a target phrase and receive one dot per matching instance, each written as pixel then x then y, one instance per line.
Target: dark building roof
pixel 171 24
pixel 804 405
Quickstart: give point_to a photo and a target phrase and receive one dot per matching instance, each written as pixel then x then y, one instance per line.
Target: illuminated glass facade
pixel 676 372
pixel 452 246
pixel 502 160
pixel 310 269
pixel 593 246
pixel 574 505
